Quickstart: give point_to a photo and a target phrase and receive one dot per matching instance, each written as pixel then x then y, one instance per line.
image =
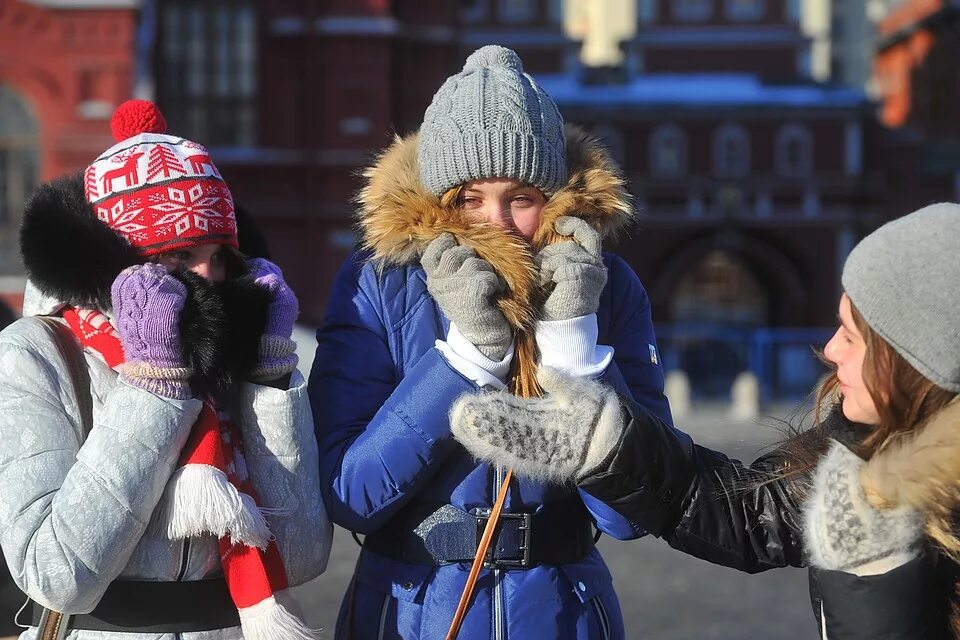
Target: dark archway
pixel 718 293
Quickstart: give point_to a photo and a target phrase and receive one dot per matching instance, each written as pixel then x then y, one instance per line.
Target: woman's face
pixel 507 203
pixel 206 260
pixel 846 350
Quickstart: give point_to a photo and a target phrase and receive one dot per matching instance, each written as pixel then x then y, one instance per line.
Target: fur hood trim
pixel 69 255
pixel 398 218
pixel 922 471
pixel 72 258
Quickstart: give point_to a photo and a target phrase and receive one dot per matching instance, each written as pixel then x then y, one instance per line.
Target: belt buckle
pixel 525 527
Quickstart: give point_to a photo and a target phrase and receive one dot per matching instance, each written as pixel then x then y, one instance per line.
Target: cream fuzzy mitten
pixel 559 437
pixel 843 532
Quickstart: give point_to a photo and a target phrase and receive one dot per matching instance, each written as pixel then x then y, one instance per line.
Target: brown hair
pixel 903 397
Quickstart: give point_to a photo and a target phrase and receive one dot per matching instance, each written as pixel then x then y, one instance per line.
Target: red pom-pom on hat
pixel 134 117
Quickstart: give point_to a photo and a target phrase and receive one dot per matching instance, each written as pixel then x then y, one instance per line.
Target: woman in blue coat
pixel 481 270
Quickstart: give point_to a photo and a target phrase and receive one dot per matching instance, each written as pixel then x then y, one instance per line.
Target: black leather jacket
pixel 709 506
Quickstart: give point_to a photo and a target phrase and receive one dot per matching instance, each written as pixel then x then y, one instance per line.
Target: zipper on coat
pixel 184 559
pixel 602 618
pixel 383 616
pixel 499 632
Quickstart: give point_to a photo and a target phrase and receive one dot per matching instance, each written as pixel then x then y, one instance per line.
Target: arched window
pixel 718 292
pixel 19 169
pixel 731 152
pixel 668 152
pixel 612 139
pixel 794 151
pixel 719 288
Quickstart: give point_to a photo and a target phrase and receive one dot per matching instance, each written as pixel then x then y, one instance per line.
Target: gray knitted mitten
pixel 559 437
pixel 466 288
pixel 841 530
pixel 576 270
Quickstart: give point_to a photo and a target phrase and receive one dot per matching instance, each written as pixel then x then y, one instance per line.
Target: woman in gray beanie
pixel 482 269
pixel 867 497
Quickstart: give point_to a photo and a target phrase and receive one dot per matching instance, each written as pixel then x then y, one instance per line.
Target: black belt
pixel 157 607
pixel 447 534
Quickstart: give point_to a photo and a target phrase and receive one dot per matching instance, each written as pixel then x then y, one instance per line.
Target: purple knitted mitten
pixel 278 355
pixel 147 302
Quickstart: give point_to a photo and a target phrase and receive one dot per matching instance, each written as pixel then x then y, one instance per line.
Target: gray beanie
pixel 904 278
pixel 491 120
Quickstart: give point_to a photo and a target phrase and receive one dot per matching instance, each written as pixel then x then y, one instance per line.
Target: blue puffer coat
pixel 381 393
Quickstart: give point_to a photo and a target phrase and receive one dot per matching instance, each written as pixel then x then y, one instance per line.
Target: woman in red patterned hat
pixel 158 468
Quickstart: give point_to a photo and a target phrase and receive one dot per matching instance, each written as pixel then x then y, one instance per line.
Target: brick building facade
pixel 753 181
pixel 63 67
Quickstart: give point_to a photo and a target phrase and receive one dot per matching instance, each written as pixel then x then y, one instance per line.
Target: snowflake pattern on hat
pixel 160 192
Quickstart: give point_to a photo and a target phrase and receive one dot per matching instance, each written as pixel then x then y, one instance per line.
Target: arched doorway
pixel 714 306
pixel 19 171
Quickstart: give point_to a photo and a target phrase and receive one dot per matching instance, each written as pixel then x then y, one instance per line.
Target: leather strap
pixel 427 534
pixel 52 624
pixel 468 588
pixel 72 354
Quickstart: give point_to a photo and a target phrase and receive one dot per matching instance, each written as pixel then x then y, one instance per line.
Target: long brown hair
pixel 903 397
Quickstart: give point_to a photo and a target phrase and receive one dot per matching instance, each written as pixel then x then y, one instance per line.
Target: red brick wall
pixel 58 59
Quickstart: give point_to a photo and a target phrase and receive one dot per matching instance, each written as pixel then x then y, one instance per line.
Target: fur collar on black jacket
pixel 72 257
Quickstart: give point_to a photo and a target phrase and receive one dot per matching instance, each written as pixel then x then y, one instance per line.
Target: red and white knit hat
pixel 158 191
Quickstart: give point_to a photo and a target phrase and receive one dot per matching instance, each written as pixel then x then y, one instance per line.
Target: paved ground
pixel 665 595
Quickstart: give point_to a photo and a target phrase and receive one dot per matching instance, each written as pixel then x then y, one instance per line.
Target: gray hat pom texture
pixel 492 120
pixel 904 279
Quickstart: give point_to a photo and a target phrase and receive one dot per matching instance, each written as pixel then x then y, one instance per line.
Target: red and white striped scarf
pixel 211 493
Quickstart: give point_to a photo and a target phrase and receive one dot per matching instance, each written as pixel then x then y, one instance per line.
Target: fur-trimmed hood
pixel 398 218
pixel 72 258
pixel 922 471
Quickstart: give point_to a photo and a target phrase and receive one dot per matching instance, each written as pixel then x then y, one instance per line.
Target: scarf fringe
pixel 270 619
pixel 200 500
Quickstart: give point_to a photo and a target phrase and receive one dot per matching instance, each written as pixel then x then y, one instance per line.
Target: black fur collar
pixel 73 257
pixel 220 329
pixel 68 253
pixel 848 433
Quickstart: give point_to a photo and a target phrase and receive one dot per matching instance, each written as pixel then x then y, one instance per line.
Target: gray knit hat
pixel 904 278
pixel 491 120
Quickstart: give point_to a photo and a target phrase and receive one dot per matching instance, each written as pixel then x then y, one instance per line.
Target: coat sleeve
pixel 281 453
pixel 698 500
pixel 72 511
pixel 901 604
pixel 635 372
pixel 381 434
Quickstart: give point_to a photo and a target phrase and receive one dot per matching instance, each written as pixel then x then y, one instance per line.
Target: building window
pixel 668 152
pixel 794 151
pixel 691 10
pixel 731 152
pixel 19 169
pixel 474 11
pixel 744 10
pixel 517 10
pixel 208 69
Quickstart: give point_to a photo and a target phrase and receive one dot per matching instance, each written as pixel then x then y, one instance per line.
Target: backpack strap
pixel 55 625
pixel 72 353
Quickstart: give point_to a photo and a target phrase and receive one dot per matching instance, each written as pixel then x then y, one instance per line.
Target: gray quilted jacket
pixel 75 513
